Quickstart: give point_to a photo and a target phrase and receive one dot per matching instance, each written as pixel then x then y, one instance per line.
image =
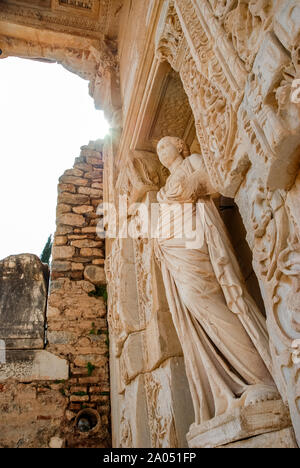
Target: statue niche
pixel 221 330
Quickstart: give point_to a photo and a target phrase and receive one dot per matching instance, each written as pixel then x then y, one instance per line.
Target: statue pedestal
pixel 265 423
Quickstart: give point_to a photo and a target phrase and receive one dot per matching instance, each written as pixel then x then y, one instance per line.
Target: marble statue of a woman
pixel 222 332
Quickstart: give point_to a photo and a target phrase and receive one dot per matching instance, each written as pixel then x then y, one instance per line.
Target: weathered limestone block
pixel 73 199
pixel 60 240
pixel 74 180
pixel 132 362
pixel 242 423
pixel 169 403
pixel 95 174
pixel 83 209
pixel 156 409
pixel 23 296
pixel 123 308
pixel 83 167
pixel 96 360
pixel 61 266
pixel 88 252
pixel 89 243
pixel 94 161
pixel 74 172
pixel 61 337
pixel 90 192
pixel 277 439
pixel 134 430
pixel 66 188
pixel 62 230
pixel 62 208
pixel 28 366
pixel 89 230
pixel 60 253
pixel 71 219
pixel 31 414
pixel 160 340
pixel 95 275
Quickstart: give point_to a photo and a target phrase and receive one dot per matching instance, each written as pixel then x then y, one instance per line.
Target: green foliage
pixel 79 393
pixel 100 291
pixel 46 254
pixel 90 368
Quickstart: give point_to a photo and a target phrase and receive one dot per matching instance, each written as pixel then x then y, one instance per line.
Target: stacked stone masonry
pixel 77 326
pixel 46 386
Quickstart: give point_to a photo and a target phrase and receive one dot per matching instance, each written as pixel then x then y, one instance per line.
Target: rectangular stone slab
pixel 28 366
pixel 23 298
pixel 242 423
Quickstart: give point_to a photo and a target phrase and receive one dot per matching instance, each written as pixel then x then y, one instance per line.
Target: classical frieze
pixel 213 53
pixel 211 101
pixel 47 19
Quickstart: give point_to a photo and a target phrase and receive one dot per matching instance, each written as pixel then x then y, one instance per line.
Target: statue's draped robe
pixel 221 330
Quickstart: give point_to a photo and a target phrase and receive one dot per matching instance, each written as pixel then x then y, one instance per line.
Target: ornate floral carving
pixel 86 4
pixel 211 99
pixel 57 22
pixel 172 37
pixel 215 122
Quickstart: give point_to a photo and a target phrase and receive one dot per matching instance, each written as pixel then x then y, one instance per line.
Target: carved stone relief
pixel 271 234
pixel 123 312
pixel 254 134
pixel 268 120
pixel 212 102
pixel 245 23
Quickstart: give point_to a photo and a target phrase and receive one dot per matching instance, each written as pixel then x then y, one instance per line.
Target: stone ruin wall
pixel 77 326
pixel 38 410
pixel 238 62
pixel 239 66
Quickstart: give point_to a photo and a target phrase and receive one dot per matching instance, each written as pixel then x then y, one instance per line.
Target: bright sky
pixel 46 115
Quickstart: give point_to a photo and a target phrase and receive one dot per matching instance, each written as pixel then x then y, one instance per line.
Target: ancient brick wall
pixel 77 326
pixel 64 399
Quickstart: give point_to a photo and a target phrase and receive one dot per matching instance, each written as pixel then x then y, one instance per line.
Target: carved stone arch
pixel 92 59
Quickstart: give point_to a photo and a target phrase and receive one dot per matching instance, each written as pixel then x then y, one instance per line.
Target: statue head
pixel 171 150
